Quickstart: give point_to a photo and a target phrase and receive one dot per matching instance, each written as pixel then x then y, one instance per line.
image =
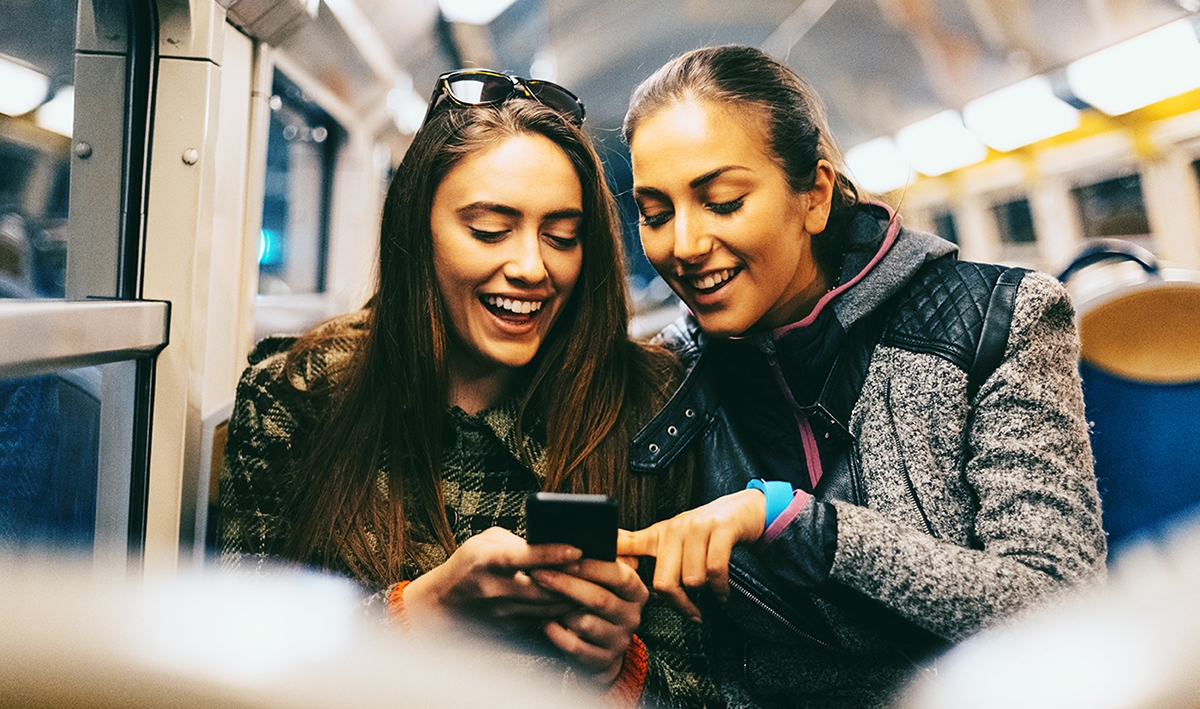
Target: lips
pixel 513 310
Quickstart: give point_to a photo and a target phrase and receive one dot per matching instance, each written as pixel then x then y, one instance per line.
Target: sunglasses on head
pixel 483 87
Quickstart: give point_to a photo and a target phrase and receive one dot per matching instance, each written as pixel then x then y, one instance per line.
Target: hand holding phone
pixel 587 522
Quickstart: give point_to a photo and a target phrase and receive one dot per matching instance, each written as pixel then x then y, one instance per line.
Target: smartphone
pixel 587 522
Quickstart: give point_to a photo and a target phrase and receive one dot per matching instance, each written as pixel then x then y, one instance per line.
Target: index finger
pixel 643 543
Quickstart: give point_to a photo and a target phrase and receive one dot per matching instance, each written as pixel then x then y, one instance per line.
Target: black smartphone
pixel 587 522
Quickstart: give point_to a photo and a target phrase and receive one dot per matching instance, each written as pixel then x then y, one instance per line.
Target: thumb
pixel 643 543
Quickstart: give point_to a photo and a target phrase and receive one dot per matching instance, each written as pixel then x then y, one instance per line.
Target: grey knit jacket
pixel 972 507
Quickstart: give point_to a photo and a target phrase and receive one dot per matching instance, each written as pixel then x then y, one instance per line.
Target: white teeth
pixel 713 279
pixel 521 307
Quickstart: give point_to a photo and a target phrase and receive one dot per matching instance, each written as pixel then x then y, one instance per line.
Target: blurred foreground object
pixel 1134 646
pixel 1139 326
pixel 287 639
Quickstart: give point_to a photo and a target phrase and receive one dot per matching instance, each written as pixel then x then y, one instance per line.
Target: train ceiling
pixel 878 64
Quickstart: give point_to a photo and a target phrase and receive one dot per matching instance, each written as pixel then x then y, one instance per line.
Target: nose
pixel 692 242
pixel 524 263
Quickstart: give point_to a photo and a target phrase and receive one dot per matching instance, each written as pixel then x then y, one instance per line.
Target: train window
pixel 301 153
pixel 1015 221
pixel 1114 207
pixel 37 46
pixel 943 226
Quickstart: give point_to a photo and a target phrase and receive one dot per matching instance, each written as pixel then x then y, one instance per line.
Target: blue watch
pixel 778 494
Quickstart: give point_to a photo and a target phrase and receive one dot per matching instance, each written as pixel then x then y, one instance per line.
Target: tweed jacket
pixel 957 509
pixel 484 484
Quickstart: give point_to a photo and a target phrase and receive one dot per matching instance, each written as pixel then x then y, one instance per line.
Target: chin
pixel 721 325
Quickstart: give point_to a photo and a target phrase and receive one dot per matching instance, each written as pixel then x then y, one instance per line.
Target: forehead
pixel 690 137
pixel 524 168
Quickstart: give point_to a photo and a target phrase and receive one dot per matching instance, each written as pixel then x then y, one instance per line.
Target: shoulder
pixel 955 309
pixel 683 338
pixel 313 361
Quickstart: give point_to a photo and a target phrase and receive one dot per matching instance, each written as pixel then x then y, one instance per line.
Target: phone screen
pixel 587 522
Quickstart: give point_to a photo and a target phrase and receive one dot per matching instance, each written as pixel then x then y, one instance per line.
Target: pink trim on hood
pixel 888 240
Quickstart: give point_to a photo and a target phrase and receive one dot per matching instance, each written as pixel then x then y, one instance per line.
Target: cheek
pixel 656 244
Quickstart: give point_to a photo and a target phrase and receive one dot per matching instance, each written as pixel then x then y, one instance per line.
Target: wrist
pixel 419 600
pixel 777 495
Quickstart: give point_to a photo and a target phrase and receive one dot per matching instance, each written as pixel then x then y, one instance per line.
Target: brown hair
pixel 588 383
pixel 789 110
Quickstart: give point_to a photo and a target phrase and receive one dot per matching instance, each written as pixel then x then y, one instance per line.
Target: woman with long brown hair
pixel 397 444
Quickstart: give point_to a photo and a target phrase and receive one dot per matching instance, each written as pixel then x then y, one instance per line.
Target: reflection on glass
pixel 1015 222
pixel 1112 208
pixel 37 43
pixel 49 457
pixel 301 150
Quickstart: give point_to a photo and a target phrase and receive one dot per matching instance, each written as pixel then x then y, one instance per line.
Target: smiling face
pixel 507 252
pixel 720 222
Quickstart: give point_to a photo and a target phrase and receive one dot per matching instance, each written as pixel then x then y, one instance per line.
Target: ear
pixel 820 199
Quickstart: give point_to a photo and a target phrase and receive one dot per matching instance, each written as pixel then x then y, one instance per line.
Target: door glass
pixel 37 100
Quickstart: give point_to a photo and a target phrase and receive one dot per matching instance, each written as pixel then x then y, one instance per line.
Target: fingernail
pixel 695 619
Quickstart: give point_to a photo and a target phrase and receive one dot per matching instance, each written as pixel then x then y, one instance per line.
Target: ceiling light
pixel 939 144
pixel 1018 115
pixel 1137 72
pixel 58 114
pixel 878 166
pixel 473 12
pixel 21 89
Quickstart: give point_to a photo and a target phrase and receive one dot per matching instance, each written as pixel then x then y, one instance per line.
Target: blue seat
pixel 1139 327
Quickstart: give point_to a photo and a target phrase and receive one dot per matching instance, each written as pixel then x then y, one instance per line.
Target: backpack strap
pixel 997 320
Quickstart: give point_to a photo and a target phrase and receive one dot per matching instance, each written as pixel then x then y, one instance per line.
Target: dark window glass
pixel 1112 208
pixel 1015 221
pixel 301 154
pixel 943 226
pixel 49 448
pixel 37 46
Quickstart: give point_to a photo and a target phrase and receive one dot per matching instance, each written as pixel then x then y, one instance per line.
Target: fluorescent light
pixel 473 12
pixel 939 144
pixel 1137 72
pixel 1018 115
pixel 58 114
pixel 878 166
pixel 21 89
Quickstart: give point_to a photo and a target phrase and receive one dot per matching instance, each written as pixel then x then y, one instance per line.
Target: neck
pixel 801 303
pixel 474 390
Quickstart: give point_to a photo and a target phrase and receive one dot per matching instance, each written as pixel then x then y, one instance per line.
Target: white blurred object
pixel 1137 72
pixel 1136 645
pixel 284 639
pixel 879 166
pixel 473 12
pixel 58 114
pixel 1017 115
pixel 21 89
pixel 939 144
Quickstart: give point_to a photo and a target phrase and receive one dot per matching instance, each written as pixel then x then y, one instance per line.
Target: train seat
pixel 1139 328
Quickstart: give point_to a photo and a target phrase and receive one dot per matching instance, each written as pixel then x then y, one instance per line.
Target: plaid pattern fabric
pixel 484 483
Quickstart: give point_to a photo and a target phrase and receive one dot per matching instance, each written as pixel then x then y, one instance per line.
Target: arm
pixel 1036 526
pixel 262 430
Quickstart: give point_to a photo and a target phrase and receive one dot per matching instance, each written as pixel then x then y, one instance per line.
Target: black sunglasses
pixel 483 87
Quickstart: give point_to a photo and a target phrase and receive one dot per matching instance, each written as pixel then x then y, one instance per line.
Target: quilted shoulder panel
pixel 941 311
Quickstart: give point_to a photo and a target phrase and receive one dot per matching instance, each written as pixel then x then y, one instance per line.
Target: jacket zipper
pixel 783 620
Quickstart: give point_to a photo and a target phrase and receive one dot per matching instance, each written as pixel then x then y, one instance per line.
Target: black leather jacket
pixel 730 411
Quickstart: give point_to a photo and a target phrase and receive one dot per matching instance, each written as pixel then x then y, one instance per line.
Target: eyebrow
pixel 507 211
pixel 696 183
